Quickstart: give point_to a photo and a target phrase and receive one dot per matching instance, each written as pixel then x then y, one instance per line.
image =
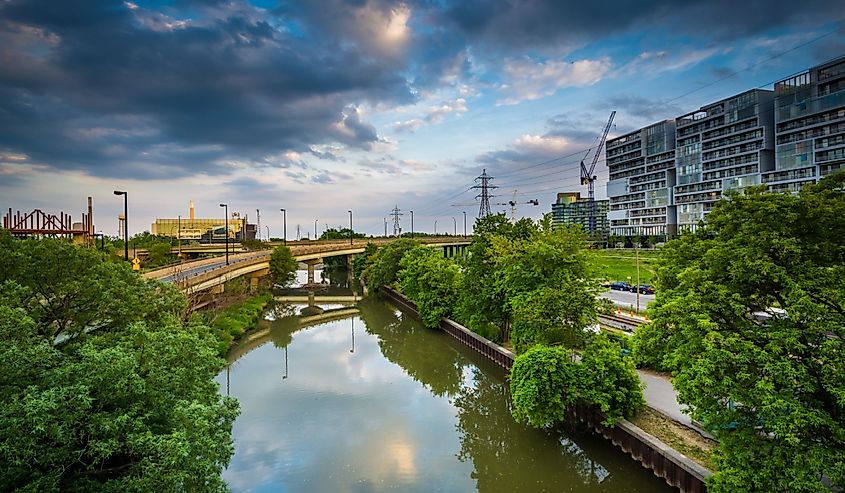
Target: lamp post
pixel 465 223
pixel 435 227
pixel 455 226
pixel 179 237
pixel 268 232
pixel 125 223
pixel 315 229
pixel 284 226
pixel 412 224
pixel 226 232
pixel 637 250
pixel 385 227
pixel 350 227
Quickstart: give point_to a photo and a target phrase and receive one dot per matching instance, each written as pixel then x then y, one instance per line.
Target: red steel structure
pixel 40 223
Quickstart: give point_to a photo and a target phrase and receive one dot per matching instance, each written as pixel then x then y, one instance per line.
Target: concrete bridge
pixel 212 273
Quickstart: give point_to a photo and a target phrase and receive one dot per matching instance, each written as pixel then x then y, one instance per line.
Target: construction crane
pixel 589 179
pixel 513 203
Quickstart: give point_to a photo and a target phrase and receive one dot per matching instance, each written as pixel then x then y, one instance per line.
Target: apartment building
pixel 570 208
pixel 723 146
pixel 642 175
pixel 809 127
pixel 784 139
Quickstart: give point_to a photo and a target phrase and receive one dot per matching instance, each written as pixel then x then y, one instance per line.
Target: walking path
pixel 661 396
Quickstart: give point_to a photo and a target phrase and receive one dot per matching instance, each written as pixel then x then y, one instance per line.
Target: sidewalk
pixel 661 396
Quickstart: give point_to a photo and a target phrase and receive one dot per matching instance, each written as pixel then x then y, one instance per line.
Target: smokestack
pixel 90 220
pixel 191 205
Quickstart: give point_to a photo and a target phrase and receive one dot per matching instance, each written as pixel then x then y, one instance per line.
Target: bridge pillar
pixel 254 277
pixel 217 289
pixel 311 264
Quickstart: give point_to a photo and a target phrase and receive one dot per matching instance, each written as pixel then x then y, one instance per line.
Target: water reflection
pixel 394 407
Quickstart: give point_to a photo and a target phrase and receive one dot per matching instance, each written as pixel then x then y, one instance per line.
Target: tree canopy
pixel 750 318
pixel 104 388
pixel 283 266
pixel 431 281
pixel 383 265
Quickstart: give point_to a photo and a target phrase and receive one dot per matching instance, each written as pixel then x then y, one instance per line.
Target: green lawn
pixel 621 265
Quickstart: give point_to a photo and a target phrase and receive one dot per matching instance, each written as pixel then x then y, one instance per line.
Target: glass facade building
pixel 571 208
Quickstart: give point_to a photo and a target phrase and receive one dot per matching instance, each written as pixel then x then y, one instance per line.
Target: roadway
pixel 626 299
pixel 189 271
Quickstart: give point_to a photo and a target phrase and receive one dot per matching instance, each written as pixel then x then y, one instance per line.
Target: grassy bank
pixel 677 436
pixel 232 322
pixel 621 265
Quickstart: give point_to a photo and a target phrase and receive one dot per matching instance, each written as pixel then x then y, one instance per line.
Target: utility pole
pixel 412 224
pixel 465 222
pixel 284 227
pixel 226 231
pixel 257 224
pixel 455 225
pixel 397 227
pixel 385 227
pixel 485 187
pixel 298 236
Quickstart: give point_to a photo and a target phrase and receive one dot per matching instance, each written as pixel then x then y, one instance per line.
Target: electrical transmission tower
pixel 396 213
pixel 485 187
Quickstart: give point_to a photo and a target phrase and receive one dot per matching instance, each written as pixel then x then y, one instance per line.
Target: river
pixel 362 399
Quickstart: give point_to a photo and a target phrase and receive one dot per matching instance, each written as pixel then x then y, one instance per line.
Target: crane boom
pixel 589 179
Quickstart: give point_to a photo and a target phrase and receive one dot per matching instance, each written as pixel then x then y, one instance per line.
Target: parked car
pixel 620 286
pixel 643 288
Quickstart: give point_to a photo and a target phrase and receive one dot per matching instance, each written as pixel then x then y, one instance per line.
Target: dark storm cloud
pixel 98 86
pixel 169 89
pixel 550 23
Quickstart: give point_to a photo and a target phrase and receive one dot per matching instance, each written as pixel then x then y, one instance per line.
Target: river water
pixel 362 398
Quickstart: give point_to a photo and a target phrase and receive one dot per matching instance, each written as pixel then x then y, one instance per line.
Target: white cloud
pixel 433 114
pixel 652 62
pixel 526 79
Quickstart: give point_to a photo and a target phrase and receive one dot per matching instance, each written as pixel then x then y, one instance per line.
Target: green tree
pixel 363 260
pixel 104 388
pixel 384 267
pixel 431 281
pixel 158 254
pixel 609 381
pixel 340 234
pixel 554 259
pixel 771 389
pixel 483 305
pixel 283 266
pixel 69 289
pixel 544 384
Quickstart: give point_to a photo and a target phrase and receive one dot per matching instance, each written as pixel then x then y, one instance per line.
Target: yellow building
pixel 191 228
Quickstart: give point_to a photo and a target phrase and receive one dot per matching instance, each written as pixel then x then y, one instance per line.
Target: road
pixel 195 271
pixel 626 299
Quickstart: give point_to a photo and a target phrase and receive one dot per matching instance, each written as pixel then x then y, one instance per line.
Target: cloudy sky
pixel 330 105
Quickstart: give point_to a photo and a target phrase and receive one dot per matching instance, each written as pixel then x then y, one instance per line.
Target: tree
pixel 752 312
pixel 550 316
pixel 432 282
pixel 385 266
pixel 104 388
pixel 158 254
pixel 363 260
pixel 609 381
pixel 554 259
pixel 340 234
pixel 483 305
pixel 544 384
pixel 283 266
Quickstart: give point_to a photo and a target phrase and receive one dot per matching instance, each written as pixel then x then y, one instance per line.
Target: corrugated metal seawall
pixel 667 463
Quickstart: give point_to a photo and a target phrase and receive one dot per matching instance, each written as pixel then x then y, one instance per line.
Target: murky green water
pixel 361 399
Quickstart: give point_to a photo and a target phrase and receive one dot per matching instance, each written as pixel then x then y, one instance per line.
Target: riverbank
pixel 664 460
pixel 231 323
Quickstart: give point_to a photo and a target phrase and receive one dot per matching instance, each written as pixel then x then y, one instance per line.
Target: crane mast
pixel 589 179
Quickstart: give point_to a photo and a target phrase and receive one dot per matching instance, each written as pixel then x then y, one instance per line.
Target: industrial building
pixel 571 208
pixel 204 230
pixel 666 177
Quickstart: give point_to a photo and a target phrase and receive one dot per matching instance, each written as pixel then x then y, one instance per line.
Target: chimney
pixel 191 205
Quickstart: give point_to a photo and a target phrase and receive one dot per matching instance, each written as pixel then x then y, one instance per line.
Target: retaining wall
pixel 667 463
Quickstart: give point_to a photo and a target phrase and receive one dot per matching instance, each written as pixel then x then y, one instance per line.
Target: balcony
pixel 810 106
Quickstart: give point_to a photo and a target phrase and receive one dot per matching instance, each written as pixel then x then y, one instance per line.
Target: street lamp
pixel 385 227
pixel 350 227
pixel 412 224
pixel 455 225
pixel 315 229
pixel 435 227
pixel 179 237
pixel 465 223
pixel 226 233
pixel 125 223
pixel 285 226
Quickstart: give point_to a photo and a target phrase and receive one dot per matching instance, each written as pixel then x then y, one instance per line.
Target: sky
pixel 326 106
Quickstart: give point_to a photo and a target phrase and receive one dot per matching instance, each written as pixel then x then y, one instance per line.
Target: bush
pixel 283 266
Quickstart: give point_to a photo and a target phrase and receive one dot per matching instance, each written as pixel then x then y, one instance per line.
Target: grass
pixel 685 440
pixel 232 322
pixel 621 265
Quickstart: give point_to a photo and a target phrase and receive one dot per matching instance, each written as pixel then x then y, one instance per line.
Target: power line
pixel 485 187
